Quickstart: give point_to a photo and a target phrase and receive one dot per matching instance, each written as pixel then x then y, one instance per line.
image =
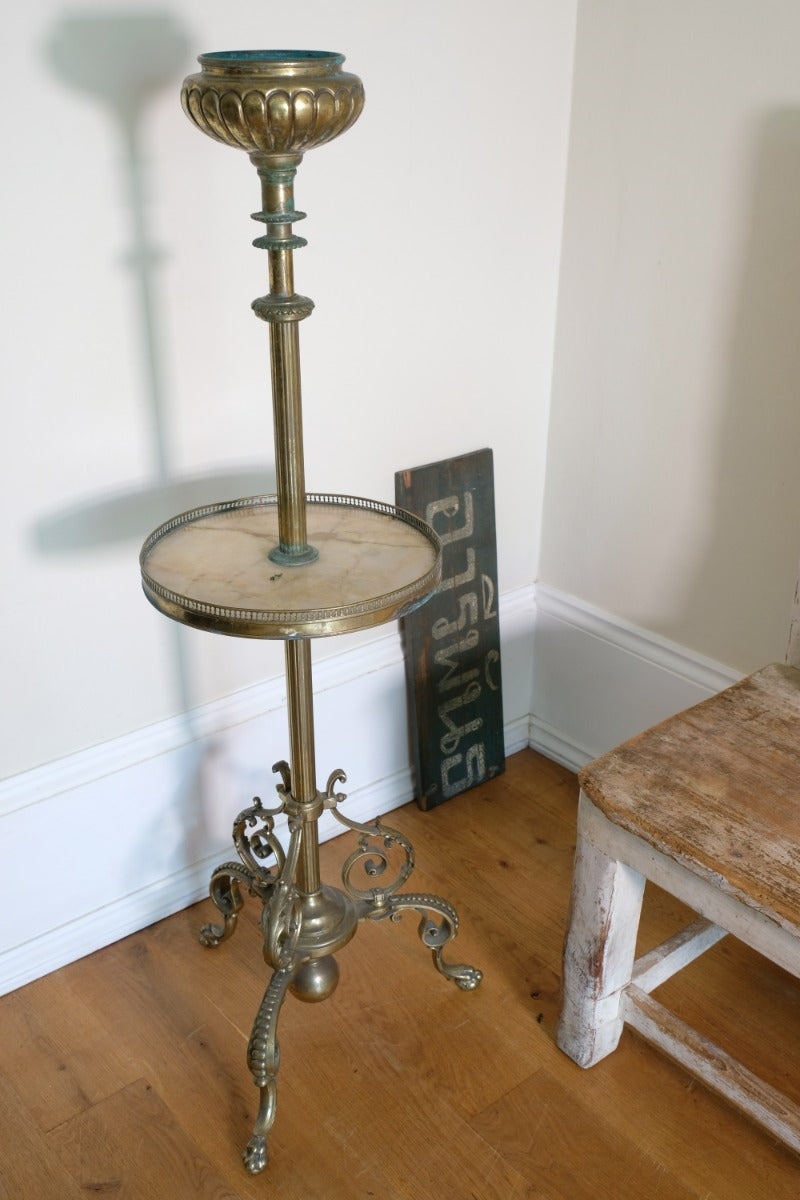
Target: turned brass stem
pixel 277 198
pixel 300 703
pixel 289 465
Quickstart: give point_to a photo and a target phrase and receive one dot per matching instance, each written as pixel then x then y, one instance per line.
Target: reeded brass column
pixel 300 704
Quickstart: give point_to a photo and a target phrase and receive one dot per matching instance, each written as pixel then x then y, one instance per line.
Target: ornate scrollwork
pixel 372 856
pixel 227 896
pixel 253 849
pixel 281 916
pixel 436 935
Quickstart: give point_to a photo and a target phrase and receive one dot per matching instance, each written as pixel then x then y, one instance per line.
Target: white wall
pixel 673 492
pixel 129 743
pixel 434 236
pixel 666 523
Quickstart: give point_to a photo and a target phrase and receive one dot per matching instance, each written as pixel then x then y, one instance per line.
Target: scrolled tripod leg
pixel 227 896
pixel 436 935
pixel 263 1060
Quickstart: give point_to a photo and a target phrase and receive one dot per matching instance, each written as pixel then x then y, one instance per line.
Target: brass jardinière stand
pixel 295 566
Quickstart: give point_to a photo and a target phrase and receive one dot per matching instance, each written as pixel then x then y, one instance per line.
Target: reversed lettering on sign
pixel 450 507
pixel 474 766
pixel 453 641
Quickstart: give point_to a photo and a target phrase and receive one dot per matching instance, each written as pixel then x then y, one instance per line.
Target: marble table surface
pixel 211 568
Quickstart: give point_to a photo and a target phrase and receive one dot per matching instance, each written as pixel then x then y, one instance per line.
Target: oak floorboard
pixel 399 1086
pixel 56 1073
pixel 180 1041
pixel 130 1146
pixel 28 1167
pixel 694 1136
pixel 580 1159
pixel 368 1047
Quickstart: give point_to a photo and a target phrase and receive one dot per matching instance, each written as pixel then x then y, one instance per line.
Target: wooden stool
pixel 706 806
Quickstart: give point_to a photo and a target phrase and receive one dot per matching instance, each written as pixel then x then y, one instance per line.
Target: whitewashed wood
pixel 598 953
pixel 707 806
pixel 660 964
pixel 716 788
pixel 704 895
pixel 793 648
pixel 717 1069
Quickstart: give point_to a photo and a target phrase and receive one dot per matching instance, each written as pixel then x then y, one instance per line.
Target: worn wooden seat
pixel 707 806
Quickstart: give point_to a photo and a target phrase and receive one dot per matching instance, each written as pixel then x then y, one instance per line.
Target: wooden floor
pixel 124 1074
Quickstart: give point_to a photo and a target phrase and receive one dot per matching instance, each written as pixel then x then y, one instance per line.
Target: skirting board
pixel 598 680
pixel 134 827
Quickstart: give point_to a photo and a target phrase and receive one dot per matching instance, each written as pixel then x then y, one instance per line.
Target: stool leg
pixel 599 953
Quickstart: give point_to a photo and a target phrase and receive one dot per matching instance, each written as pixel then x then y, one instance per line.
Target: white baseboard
pixel 133 828
pixel 598 680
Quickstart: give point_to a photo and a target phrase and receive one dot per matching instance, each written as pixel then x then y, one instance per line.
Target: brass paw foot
pixel 467 978
pixel 255 1156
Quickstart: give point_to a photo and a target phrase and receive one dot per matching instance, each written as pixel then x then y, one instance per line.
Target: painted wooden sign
pixel 452 643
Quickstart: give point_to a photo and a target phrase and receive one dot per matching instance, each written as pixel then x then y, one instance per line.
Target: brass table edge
pixel 280 624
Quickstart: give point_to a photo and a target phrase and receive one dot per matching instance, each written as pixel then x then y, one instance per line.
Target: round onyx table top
pixel 210 568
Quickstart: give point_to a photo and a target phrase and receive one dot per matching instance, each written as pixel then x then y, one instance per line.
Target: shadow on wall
pixel 752 556
pixel 122 62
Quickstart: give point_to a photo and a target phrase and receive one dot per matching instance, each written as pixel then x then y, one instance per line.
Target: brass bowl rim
pixel 269 62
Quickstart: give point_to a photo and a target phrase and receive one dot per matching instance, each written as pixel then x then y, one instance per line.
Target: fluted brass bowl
pixel 272 102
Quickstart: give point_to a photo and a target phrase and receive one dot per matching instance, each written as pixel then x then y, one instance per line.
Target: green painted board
pixel 452 643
